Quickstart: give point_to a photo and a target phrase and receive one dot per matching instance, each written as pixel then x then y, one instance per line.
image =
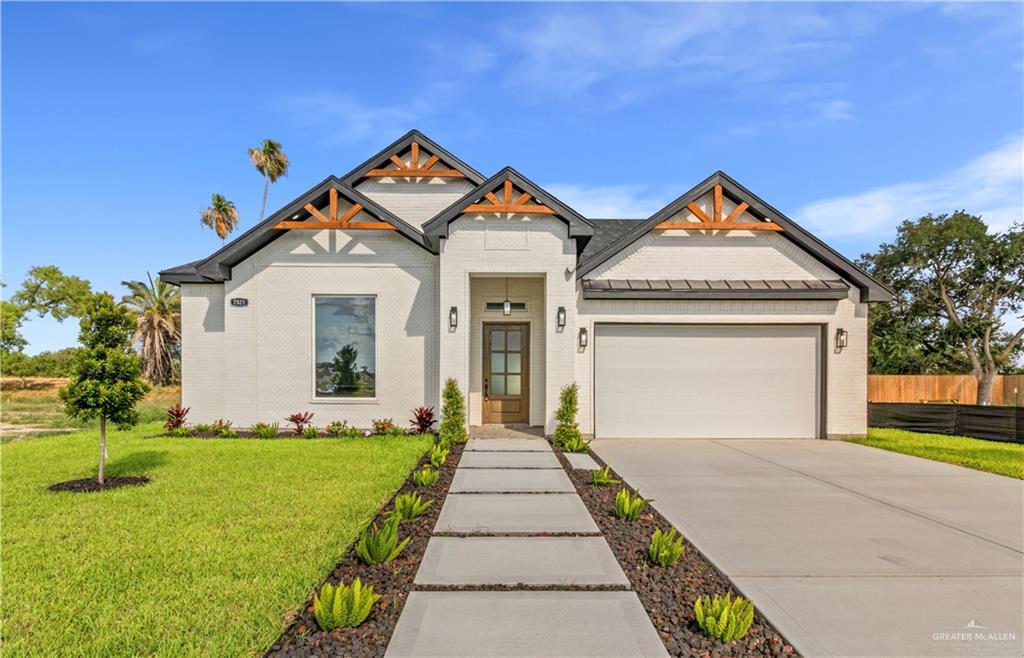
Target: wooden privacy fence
pixel 1007 390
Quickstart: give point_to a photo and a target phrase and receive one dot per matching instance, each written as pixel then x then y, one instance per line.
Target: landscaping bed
pixel 668 593
pixel 392 580
pixel 92 484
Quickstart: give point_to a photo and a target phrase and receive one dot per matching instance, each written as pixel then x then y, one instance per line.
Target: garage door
pixel 693 381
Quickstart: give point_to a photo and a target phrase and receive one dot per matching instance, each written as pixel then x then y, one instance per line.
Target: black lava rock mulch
pixel 90 484
pixel 393 581
pixel 668 594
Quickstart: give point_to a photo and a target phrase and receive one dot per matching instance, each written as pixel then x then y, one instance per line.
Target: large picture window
pixel 345 346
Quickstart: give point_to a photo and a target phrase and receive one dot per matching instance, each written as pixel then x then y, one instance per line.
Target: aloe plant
pixel 724 618
pixel 666 548
pixel 629 507
pixel 410 506
pixel 344 606
pixel 380 544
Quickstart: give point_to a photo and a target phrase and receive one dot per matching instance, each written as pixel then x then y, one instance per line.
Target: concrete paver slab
pixel 834 541
pixel 519 560
pixel 524 624
pixel 518 513
pixel 478 459
pixel 515 480
pixel 513 445
pixel 582 461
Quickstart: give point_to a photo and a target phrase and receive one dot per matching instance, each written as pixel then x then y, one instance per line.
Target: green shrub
pixel 568 430
pixel 264 430
pixel 724 619
pixel 225 433
pixel 410 506
pixel 575 444
pixel 438 456
pixel 180 432
pixel 666 548
pixel 336 428
pixel 379 545
pixel 346 606
pixel 45 364
pixel 602 477
pixel 629 507
pixel 453 414
pixel 202 428
pixel 425 477
pixel 310 432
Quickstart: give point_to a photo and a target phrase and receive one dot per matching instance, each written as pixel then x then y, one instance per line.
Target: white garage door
pixel 710 381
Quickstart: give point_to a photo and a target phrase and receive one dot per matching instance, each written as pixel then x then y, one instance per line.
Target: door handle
pixel 486 389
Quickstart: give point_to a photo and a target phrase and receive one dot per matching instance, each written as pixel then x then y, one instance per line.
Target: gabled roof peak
pixel 413 155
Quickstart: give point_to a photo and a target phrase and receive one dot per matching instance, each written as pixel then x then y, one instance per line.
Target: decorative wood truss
pixel 716 222
pixel 510 202
pixel 334 221
pixel 415 169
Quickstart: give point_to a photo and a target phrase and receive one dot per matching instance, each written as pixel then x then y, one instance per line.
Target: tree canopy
pixel 48 291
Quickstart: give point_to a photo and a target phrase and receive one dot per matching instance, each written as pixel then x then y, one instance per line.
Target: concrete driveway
pixel 848 550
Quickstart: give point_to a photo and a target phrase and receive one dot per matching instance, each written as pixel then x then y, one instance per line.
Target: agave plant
pixel 438 456
pixel 380 544
pixel 344 606
pixel 602 477
pixel 666 548
pixel 628 507
pixel 410 506
pixel 425 477
pixel 724 618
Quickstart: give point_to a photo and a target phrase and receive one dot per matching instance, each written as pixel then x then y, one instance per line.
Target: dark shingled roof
pixel 606 231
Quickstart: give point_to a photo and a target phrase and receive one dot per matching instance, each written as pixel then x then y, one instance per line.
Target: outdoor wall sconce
pixel 506 307
pixel 453 317
pixel 561 317
pixel 842 337
pixel 583 337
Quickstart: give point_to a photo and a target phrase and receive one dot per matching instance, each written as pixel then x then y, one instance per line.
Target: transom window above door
pixel 499 307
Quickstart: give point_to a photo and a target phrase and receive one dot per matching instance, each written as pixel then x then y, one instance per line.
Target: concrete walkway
pixel 848 550
pixel 507 500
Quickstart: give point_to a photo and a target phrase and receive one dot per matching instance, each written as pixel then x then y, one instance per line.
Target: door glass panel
pixel 498 341
pixel 515 340
pixel 498 385
pixel 498 362
pixel 515 363
pixel 514 384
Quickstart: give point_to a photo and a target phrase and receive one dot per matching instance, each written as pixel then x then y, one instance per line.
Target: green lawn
pixel 991 456
pixel 205 560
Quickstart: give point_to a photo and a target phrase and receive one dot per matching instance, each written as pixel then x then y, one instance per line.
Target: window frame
pixel 317 399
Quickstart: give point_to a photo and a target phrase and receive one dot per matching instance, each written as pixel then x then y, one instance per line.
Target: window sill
pixel 345 401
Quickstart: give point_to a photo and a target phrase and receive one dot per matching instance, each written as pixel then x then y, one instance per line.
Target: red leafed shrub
pixel 176 417
pixel 300 421
pixel 422 420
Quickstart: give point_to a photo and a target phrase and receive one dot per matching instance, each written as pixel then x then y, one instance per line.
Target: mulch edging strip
pixel 88 485
pixel 392 580
pixel 668 594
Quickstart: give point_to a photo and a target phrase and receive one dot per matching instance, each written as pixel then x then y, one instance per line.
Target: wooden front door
pixel 506 373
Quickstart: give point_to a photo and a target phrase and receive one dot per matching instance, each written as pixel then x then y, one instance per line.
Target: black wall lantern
pixel 842 337
pixel 560 316
pixel 583 337
pixel 453 317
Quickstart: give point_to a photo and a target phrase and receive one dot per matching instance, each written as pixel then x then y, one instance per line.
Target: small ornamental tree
pixel 106 379
pixel 453 414
pixel 568 429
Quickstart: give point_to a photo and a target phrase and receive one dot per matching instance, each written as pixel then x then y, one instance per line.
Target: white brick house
pixel 716 317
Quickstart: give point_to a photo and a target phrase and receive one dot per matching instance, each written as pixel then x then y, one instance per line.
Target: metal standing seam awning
pixel 808 289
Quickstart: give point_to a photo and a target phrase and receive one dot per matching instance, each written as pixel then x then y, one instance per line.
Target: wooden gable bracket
pixel 415 169
pixel 716 222
pixel 334 221
pixel 508 204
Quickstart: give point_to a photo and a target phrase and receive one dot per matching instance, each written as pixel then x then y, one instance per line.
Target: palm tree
pixel 272 163
pixel 220 215
pixel 157 310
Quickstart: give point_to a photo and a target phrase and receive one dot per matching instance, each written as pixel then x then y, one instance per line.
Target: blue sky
pixel 119 120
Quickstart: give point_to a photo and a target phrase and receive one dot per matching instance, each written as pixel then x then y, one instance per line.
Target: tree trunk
pixel 266 188
pixel 986 380
pixel 103 447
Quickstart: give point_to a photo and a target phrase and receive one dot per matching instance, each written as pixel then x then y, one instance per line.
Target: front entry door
pixel 506 373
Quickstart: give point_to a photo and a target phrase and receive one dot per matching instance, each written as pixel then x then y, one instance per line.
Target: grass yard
pixel 33 402
pixel 991 456
pixel 208 559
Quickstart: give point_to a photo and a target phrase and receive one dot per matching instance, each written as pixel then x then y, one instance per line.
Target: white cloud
pixel 340 117
pixel 609 201
pixel 991 185
pixel 837 110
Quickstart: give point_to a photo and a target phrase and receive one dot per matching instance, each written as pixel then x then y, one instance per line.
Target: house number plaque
pixel 239 301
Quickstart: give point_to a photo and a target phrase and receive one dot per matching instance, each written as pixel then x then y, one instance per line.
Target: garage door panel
pixel 688 381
